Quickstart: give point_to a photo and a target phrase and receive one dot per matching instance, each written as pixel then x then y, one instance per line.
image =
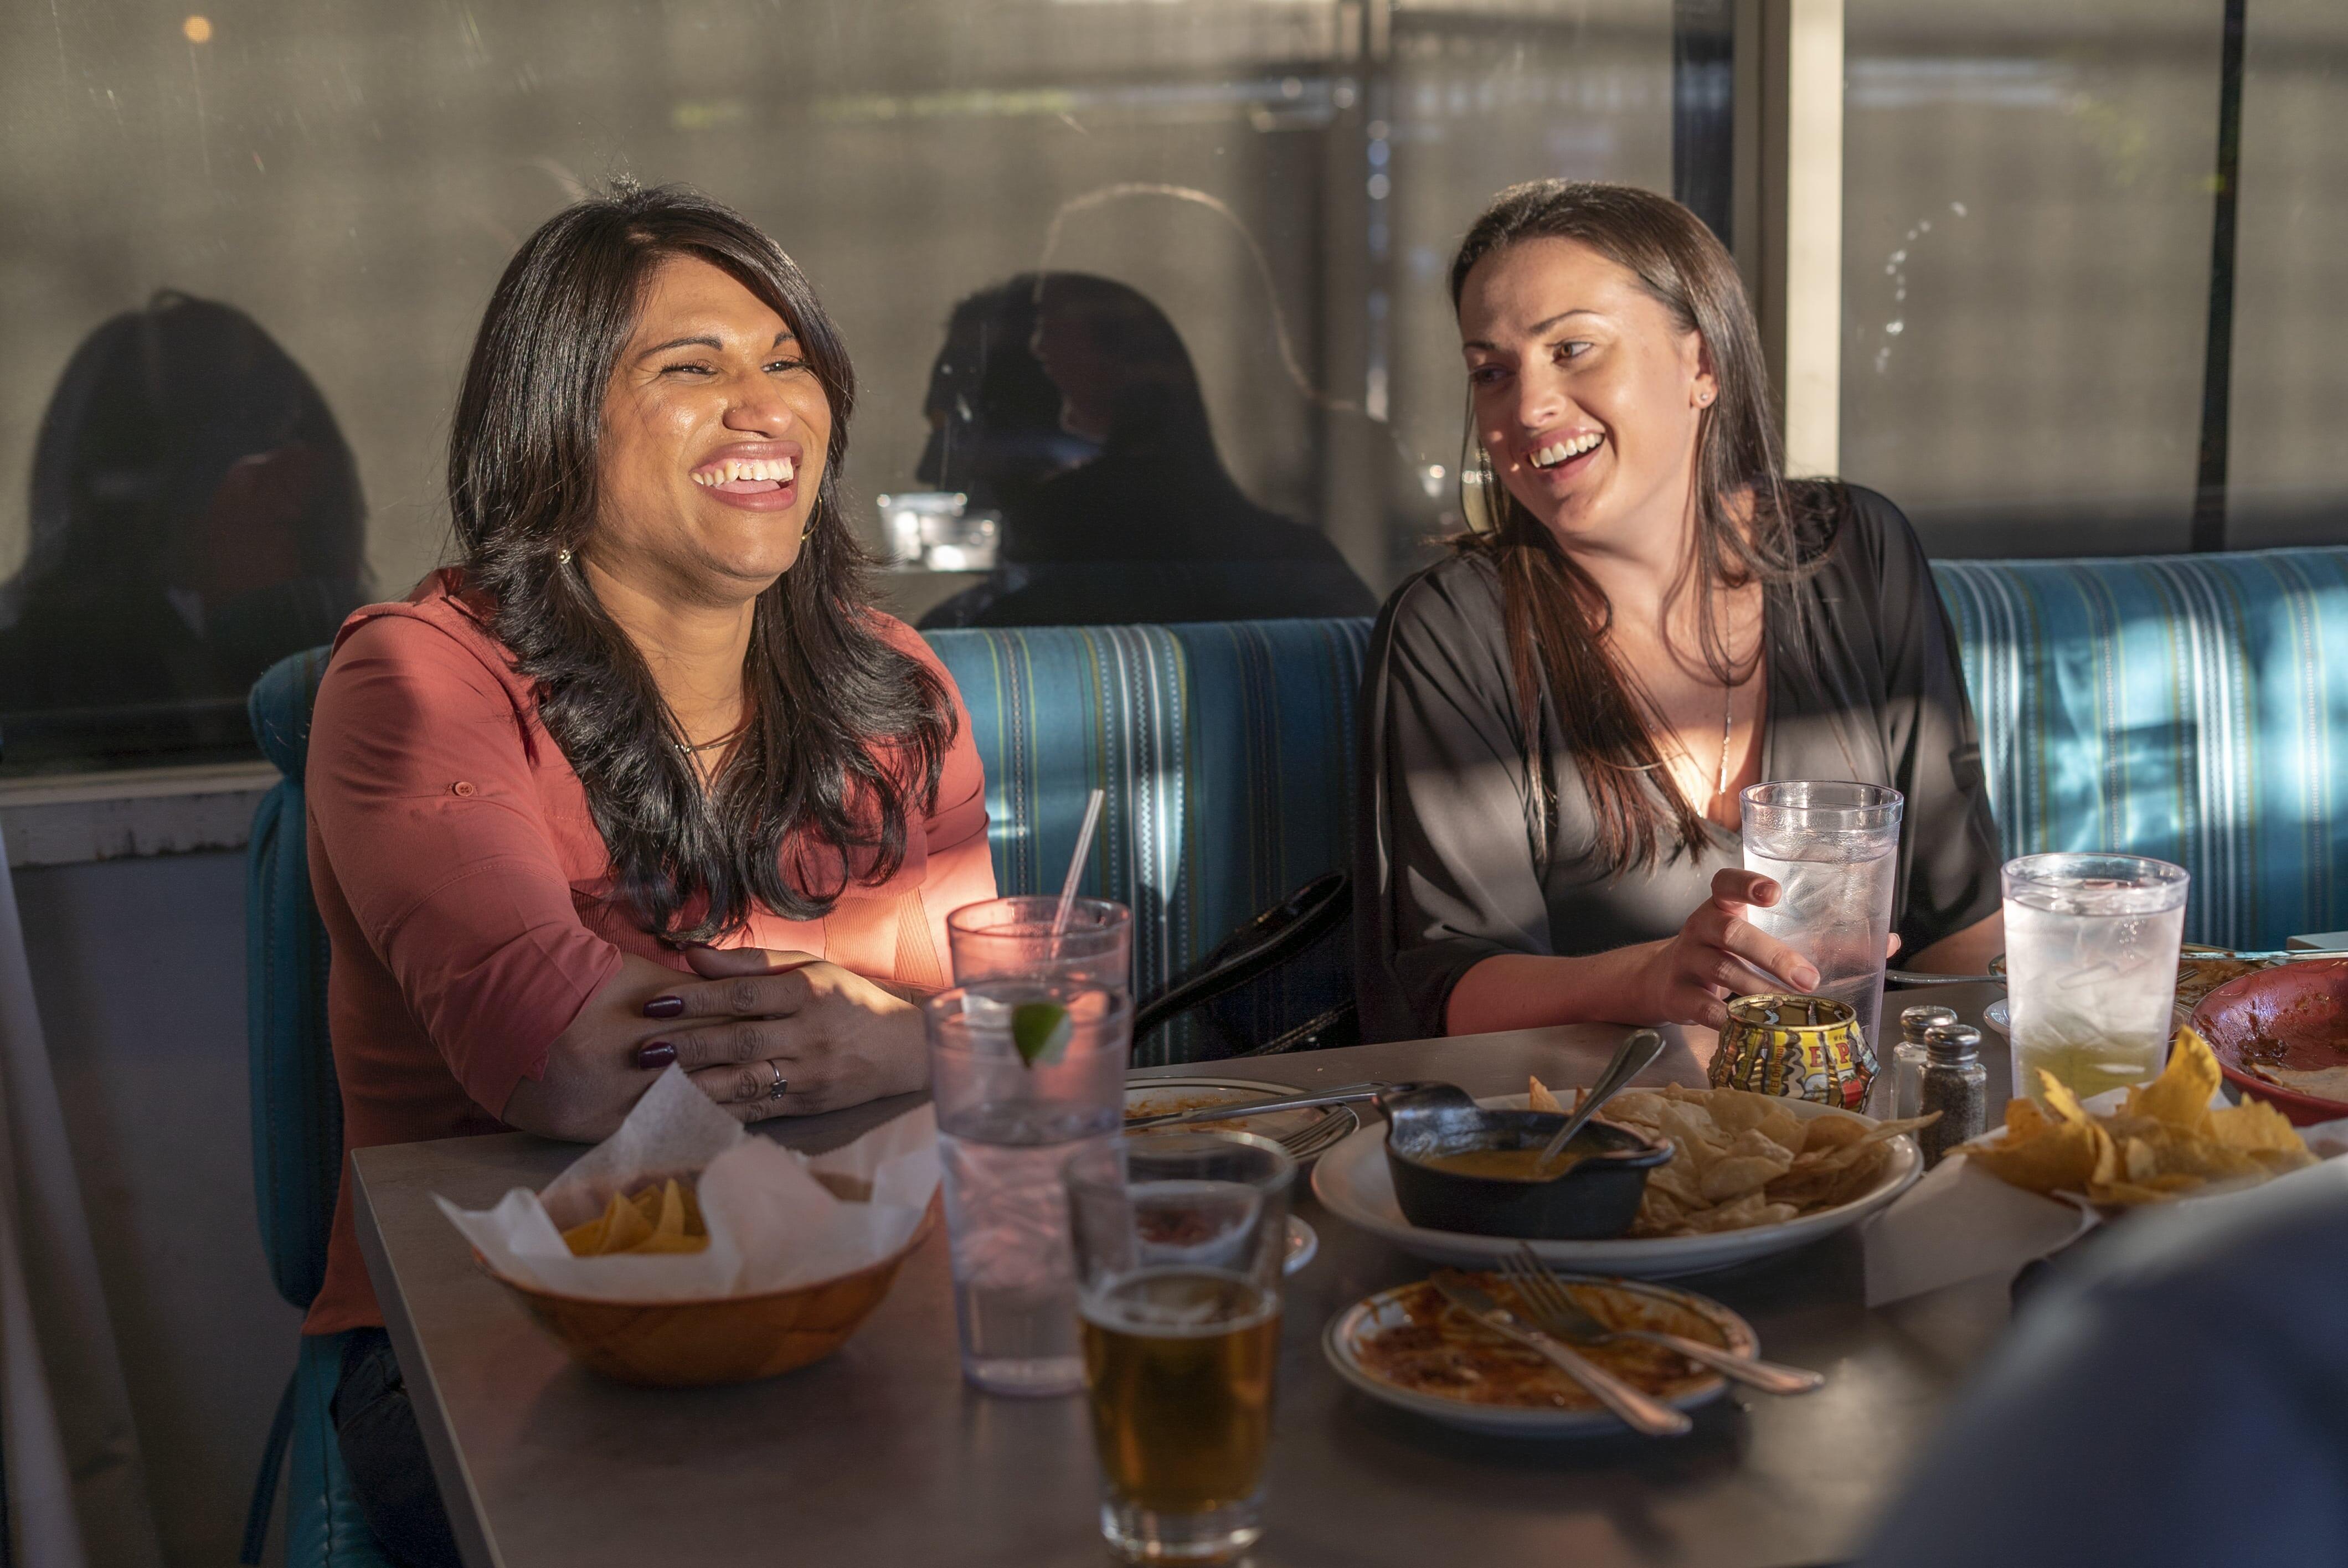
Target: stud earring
pixel 563 557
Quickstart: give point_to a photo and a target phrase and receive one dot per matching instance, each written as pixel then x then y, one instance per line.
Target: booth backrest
pixel 1226 753
pixel 2187 707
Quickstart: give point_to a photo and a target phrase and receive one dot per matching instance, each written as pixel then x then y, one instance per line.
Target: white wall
pixel 139 966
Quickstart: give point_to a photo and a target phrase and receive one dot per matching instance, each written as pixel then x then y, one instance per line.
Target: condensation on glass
pixel 246 252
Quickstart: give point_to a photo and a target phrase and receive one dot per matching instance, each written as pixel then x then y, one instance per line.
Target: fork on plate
pixel 1551 1306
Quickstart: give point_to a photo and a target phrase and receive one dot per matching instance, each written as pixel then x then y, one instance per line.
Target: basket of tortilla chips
pixel 683 1251
pixel 2164 1140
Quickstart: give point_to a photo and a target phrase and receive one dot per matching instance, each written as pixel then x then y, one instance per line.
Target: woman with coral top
pixel 645 779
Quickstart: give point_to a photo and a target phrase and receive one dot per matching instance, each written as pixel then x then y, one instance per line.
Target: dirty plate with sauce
pixel 1410 1348
pixel 1306 1134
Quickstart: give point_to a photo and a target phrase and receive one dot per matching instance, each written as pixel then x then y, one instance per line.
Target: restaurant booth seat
pixel 2186 707
pixel 297 1133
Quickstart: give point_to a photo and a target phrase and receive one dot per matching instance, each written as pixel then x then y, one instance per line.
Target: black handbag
pixel 1279 936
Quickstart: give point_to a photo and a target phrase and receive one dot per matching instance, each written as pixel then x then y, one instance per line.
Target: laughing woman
pixel 645 780
pixel 1559 717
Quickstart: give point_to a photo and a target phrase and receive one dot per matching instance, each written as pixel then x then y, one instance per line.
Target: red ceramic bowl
pixel 2302 1009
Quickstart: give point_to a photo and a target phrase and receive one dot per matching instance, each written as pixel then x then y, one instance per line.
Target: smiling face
pixel 1586 393
pixel 715 434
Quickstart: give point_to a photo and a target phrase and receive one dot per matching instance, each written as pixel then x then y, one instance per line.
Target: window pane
pixel 2027 217
pixel 247 252
pixel 2288 458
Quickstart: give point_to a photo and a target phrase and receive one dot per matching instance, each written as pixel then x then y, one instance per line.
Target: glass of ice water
pixel 1833 850
pixel 1024 1074
pixel 2091 944
pixel 1009 937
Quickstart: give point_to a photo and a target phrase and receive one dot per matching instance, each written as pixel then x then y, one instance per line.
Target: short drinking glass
pixel 1178 1241
pixel 1024 1073
pixel 1833 850
pixel 2091 944
pixel 1011 938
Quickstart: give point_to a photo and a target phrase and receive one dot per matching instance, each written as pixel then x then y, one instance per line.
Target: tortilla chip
pixel 1832 1132
pixel 2254 1124
pixel 663 1218
pixel 2061 1157
pixel 2062 1101
pixel 2180 1095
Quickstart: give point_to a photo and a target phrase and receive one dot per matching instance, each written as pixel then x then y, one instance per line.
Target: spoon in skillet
pixel 1635 1056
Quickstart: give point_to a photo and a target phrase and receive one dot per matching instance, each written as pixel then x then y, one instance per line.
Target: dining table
pixel 880 1453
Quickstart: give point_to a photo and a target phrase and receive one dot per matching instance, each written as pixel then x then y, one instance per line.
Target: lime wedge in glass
pixel 1039 1029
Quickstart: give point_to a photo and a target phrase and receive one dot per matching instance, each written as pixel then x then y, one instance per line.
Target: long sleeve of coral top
pixel 467 895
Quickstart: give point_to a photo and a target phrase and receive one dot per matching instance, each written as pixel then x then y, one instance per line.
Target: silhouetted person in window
pixel 195 517
pixel 1150 527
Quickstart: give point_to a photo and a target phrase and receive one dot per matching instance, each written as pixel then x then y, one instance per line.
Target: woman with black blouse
pixel 1558 718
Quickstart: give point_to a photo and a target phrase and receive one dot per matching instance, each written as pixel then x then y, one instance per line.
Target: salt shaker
pixel 1908 1057
pixel 1956 1085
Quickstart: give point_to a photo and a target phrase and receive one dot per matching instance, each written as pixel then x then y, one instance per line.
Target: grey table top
pixel 881 1454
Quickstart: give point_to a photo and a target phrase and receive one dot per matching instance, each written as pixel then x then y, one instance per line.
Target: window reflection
pixel 195 516
pixel 1098 450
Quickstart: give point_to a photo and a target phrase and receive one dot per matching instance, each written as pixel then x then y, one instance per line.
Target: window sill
pixel 69 819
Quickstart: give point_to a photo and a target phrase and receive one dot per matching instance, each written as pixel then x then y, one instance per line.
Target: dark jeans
pixel 384 1452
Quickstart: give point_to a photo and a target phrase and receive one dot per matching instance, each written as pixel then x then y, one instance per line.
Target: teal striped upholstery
pixel 1226 750
pixel 2177 706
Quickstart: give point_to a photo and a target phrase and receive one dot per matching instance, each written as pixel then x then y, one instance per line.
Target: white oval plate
pixel 1353 1181
pixel 1342 1339
pixel 1325 1125
pixel 1303 1246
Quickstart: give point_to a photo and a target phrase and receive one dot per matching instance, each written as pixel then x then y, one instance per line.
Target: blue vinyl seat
pixel 297 1132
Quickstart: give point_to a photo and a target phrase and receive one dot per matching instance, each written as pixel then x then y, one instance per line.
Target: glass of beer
pixel 1179 1243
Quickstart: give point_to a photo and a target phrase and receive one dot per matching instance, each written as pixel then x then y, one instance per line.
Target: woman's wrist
pixel 1526 990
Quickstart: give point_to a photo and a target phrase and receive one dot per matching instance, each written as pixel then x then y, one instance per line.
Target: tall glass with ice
pixel 2091 944
pixel 1024 1073
pixel 1833 850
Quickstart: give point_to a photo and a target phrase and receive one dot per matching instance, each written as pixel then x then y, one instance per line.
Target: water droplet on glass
pixel 1895 328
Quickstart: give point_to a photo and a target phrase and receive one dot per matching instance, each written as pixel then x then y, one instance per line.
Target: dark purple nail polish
pixel 665 1007
pixel 659 1054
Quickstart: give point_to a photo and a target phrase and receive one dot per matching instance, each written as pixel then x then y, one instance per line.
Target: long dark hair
pixel 1556 617
pixel 846 736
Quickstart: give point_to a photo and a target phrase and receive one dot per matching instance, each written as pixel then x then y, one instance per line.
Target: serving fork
pixel 1551 1306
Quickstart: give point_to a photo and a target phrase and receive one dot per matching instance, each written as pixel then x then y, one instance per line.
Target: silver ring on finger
pixel 776 1090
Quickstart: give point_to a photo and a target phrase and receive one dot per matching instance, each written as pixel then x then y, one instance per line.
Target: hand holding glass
pixel 1833 850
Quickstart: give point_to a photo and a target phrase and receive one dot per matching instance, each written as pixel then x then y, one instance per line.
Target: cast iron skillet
pixel 1594 1199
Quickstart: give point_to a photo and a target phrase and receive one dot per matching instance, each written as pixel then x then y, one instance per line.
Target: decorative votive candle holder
pixel 1802 1048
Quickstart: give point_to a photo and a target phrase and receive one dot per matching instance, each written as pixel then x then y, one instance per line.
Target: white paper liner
pixel 1960 1222
pixel 772 1225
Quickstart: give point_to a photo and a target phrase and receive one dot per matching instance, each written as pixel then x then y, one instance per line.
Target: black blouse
pixel 1454 863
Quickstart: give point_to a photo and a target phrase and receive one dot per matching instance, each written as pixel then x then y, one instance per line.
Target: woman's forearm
pixel 1965 952
pixel 1522 990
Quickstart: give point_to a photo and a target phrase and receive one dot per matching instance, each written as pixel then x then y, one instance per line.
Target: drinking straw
pixel 1076 867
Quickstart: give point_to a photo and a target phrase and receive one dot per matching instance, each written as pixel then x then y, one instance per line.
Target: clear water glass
pixel 1180 1239
pixel 2091 946
pixel 1006 1130
pixel 1009 938
pixel 1833 850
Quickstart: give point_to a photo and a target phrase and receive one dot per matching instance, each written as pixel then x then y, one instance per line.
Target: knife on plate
pixel 1646 1415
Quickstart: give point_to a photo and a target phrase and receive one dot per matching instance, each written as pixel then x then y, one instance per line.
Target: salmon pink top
pixel 468 894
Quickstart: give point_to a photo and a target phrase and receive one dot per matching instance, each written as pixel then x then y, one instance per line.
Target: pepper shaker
pixel 1908 1057
pixel 1956 1085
